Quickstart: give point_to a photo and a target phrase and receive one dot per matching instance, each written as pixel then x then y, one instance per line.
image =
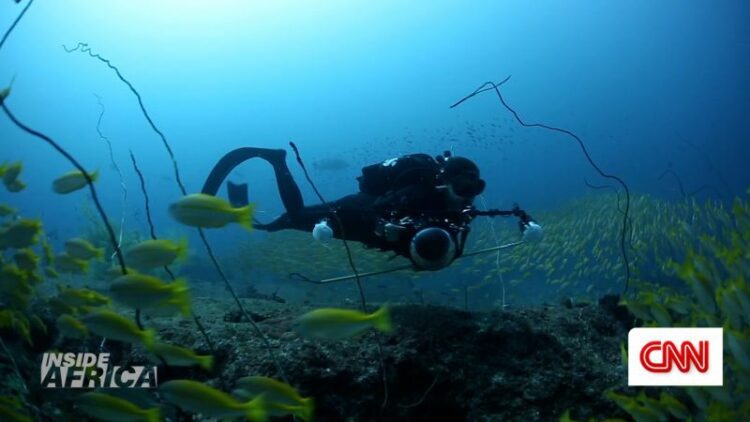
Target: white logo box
pixel 658 355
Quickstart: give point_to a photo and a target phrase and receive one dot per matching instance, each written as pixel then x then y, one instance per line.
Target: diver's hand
pixel 532 232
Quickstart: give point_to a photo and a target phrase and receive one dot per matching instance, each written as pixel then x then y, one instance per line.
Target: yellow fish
pixel 197 397
pixel 6 210
pixel 10 172
pixel 72 181
pixel 201 210
pixel 14 286
pixel 81 297
pixel 106 323
pixel 83 249
pixel 156 253
pixel 277 392
pixel 141 291
pixel 110 408
pixel 16 186
pixel 70 265
pixel 26 259
pixel 180 356
pixel 20 234
pixel 334 324
pixel 70 327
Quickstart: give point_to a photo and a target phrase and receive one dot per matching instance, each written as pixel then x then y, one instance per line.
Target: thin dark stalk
pixel 719 175
pixel 485 87
pixel 86 49
pixel 424 395
pixel 677 178
pixel 620 210
pixel 152 231
pixel 706 187
pixel 89 181
pixel 482 88
pixel 15 22
pixel 351 264
pixel 340 226
pixel 146 201
pixel 123 187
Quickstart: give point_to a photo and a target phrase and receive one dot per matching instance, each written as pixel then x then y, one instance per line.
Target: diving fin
pixel 237 194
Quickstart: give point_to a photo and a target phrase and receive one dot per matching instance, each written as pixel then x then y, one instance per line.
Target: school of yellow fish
pixel 79 312
pixel 703 246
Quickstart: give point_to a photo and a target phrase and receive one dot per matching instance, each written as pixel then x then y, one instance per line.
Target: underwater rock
pixel 442 363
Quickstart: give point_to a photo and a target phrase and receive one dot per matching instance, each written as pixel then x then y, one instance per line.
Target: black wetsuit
pixel 412 193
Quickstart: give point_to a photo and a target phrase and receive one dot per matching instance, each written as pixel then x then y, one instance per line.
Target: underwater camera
pixel 432 248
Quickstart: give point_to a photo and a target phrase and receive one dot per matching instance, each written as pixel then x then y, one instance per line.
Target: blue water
pixel 647 85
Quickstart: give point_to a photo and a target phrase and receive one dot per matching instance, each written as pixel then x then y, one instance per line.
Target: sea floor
pixel 441 363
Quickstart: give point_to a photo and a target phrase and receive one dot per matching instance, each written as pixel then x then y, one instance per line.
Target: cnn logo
pixel 675 356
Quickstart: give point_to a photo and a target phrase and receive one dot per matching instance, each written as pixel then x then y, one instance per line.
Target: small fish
pixel 47 253
pixel 109 324
pixel 180 356
pixel 197 397
pixel 277 392
pixel 81 297
pixel 72 181
pixel 110 408
pixel 70 327
pixel 70 265
pixel 26 259
pixel 674 406
pixel 156 253
pixel 51 272
pixel 83 249
pixel 11 172
pixel 16 186
pixel 141 291
pixel 20 234
pixel 15 288
pixel 167 308
pixel 201 210
pixel 334 323
pixel 6 210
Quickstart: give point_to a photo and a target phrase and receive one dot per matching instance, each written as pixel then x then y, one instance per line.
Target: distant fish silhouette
pixel 330 164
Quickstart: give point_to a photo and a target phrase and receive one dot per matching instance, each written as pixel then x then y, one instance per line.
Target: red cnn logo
pixel 675 356
pixel 685 357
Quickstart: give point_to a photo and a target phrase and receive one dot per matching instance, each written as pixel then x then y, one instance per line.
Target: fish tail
pixel 245 216
pixel 308 409
pixel 148 338
pixel 153 415
pixel 255 410
pixel 381 319
pixel 182 250
pixel 181 290
pixel 206 362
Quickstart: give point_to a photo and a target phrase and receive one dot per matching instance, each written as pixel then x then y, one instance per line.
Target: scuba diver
pixel 416 206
